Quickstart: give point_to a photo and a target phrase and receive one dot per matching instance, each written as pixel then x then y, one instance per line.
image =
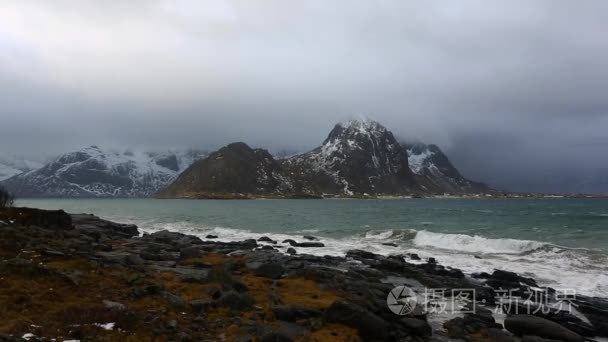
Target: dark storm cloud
pixel 513 90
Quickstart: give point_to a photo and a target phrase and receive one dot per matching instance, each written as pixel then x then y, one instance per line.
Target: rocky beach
pixel 79 277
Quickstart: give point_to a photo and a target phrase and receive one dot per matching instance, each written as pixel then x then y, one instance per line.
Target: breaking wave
pixel 475 243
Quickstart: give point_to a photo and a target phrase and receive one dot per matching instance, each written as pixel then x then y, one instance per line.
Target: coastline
pixel 178 287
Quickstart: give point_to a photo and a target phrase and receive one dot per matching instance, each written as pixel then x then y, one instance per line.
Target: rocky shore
pixel 79 277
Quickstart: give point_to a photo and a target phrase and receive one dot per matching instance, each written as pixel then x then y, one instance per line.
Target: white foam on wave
pixel 474 243
pixel 550 265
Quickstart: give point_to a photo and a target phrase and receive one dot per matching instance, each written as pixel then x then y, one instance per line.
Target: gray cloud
pixel 513 90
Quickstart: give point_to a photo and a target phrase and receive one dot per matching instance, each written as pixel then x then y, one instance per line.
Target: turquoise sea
pixel 561 242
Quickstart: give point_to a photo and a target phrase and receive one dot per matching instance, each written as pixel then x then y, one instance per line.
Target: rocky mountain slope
pixel 435 172
pixel 231 171
pixel 358 158
pixel 93 172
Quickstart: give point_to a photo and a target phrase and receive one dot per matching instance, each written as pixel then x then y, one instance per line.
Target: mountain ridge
pixel 359 158
pixel 94 172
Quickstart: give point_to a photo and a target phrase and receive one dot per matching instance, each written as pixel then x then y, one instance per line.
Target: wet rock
pixel 291 251
pixel 360 254
pixel 310 238
pixel 509 280
pixel 536 326
pixel 416 326
pixel 266 239
pixel 369 325
pixel 390 244
pixel 413 256
pixel 210 236
pixel 303 244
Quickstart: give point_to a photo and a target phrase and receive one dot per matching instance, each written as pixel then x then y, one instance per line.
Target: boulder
pixel 267 239
pixel 536 326
pixel 369 325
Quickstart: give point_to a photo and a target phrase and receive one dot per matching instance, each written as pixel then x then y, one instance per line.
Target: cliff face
pixel 358 158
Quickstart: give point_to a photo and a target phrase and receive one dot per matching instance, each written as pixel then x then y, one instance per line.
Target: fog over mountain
pixel 512 91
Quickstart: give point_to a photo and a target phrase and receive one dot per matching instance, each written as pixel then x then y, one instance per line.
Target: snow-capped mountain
pixel 11 165
pixel 93 172
pixel 359 156
pixel 435 172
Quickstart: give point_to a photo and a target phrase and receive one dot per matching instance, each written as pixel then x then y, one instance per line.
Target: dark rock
pixel 266 239
pixel 414 256
pixel 51 219
pixel 432 261
pixel 310 238
pixel 292 313
pixel 360 254
pixel 290 241
pixel 270 270
pixel 235 300
pixel 303 244
pixel 390 244
pixel 369 325
pixel 536 326
pixel 291 251
pixel 416 326
pixel 456 328
pixel 274 337
pixel 210 236
pixel 190 252
pixel 497 335
pixel 310 244
pixel 528 338
pixel 173 299
pixel 199 305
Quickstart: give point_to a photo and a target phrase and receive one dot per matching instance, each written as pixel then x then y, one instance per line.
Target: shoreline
pixel 179 287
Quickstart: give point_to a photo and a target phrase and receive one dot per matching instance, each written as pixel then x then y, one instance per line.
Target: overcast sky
pixel 514 91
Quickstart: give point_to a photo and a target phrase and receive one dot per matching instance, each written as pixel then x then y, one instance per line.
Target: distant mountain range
pixel 93 172
pixel 359 158
pixel 11 165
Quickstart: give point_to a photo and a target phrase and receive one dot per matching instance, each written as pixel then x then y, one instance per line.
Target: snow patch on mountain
pixel 11 165
pixel 94 172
